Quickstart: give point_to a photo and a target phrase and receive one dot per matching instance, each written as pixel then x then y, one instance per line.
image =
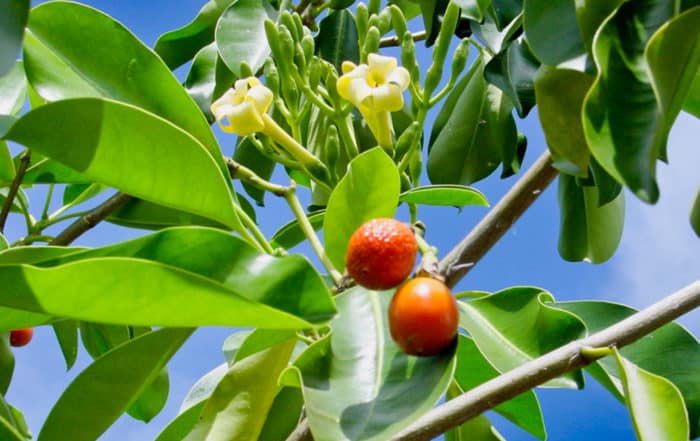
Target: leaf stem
pixel 291 198
pixel 14 188
pixel 258 236
pixel 47 202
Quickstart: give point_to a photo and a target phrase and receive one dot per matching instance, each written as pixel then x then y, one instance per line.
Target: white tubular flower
pixel 241 110
pixel 375 88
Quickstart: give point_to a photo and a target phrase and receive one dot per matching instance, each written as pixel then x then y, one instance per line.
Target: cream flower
pixel 375 88
pixel 241 110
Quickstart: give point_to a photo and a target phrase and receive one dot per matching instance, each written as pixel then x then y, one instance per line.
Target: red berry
pixel 381 253
pixel 423 317
pixel 21 337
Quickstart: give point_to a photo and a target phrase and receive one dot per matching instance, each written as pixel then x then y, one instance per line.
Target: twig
pixel 567 358
pixel 394 40
pixel 89 220
pixel 14 188
pixel 487 232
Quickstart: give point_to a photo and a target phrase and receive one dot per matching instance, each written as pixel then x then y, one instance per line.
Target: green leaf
pixel 283 416
pixel 13 89
pixel 83 413
pixel 473 369
pixel 450 195
pixel 671 352
pixel 243 280
pixel 365 388
pixel 208 78
pixel 7 363
pixel 516 325
pixel 644 392
pixel 552 44
pixel 132 150
pixel 121 67
pixel 432 13
pixel 625 126
pixel 238 407
pixel 290 234
pixel 35 254
pixel 137 213
pixel 152 398
pixel 505 11
pixel 588 231
pixel 369 189
pixel 494 38
pixel 182 424
pixel 695 215
pixel 473 133
pixel 43 170
pixel 203 388
pixel 337 39
pixel 67 335
pixel 18 203
pixel 4 244
pixel 240 34
pixel 261 339
pixel 12 22
pixel 8 431
pixel 692 103
pixel 410 8
pixel 232 344
pixel 560 94
pixel 180 45
pixel 99 338
pixel 590 14
pixel 11 318
pixel 513 71
pixel 473 9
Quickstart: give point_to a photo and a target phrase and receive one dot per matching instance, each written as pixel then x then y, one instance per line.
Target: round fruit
pixel 21 337
pixel 423 317
pixel 381 253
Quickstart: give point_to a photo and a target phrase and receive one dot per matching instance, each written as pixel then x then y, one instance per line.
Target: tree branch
pixel 89 220
pixel 396 41
pixel 501 217
pixel 14 188
pixel 567 358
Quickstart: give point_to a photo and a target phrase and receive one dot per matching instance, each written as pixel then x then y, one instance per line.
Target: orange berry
pixel 21 337
pixel 423 317
pixel 381 253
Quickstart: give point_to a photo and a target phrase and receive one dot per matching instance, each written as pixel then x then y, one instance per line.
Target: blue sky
pixel 659 253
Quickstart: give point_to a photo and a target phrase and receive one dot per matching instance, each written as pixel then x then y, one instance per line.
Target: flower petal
pixel 260 96
pixel 381 64
pixel 243 119
pixel 399 77
pixel 387 97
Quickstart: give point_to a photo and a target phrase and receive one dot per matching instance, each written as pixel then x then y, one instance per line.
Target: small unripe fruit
pixel 423 317
pixel 21 337
pixel 381 253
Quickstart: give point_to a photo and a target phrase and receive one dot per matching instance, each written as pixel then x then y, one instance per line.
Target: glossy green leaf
pixel 83 413
pixel 552 44
pixel 238 407
pixel 8 431
pixel 233 343
pixel 494 38
pixel 624 124
pixel 35 254
pixel 67 335
pixel 12 22
pixel 644 392
pixel 75 194
pixel 182 424
pixel 245 279
pixel 513 71
pixel 365 388
pixel 447 195
pixel 369 189
pixel 180 45
pixel 99 338
pixel 283 416
pixel 692 102
pixel 43 170
pixel 11 318
pixel 137 213
pixel 473 369
pixel 432 13
pixel 132 150
pixel 7 167
pixel 560 94
pixel 19 203
pixel 473 9
pixel 516 325
pixel 4 244
pixel 240 34
pixel 13 89
pixel 203 388
pixel 587 231
pixel 208 78
pixel 290 234
pixel 505 11
pixel 337 39
pixel 590 14
pixel 121 67
pixel 475 429
pixel 261 339
pixel 695 215
pixel 473 133
pixel 152 398
pixel 7 363
pixel 671 352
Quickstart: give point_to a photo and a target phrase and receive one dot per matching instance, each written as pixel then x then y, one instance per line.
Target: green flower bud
pixel 308 47
pixel 272 76
pixel 299 58
pixel 246 70
pixel 371 42
pixel 408 56
pixel 331 150
pixel 398 20
pixel 315 72
pixel 407 139
pixel 287 21
pixel 361 19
